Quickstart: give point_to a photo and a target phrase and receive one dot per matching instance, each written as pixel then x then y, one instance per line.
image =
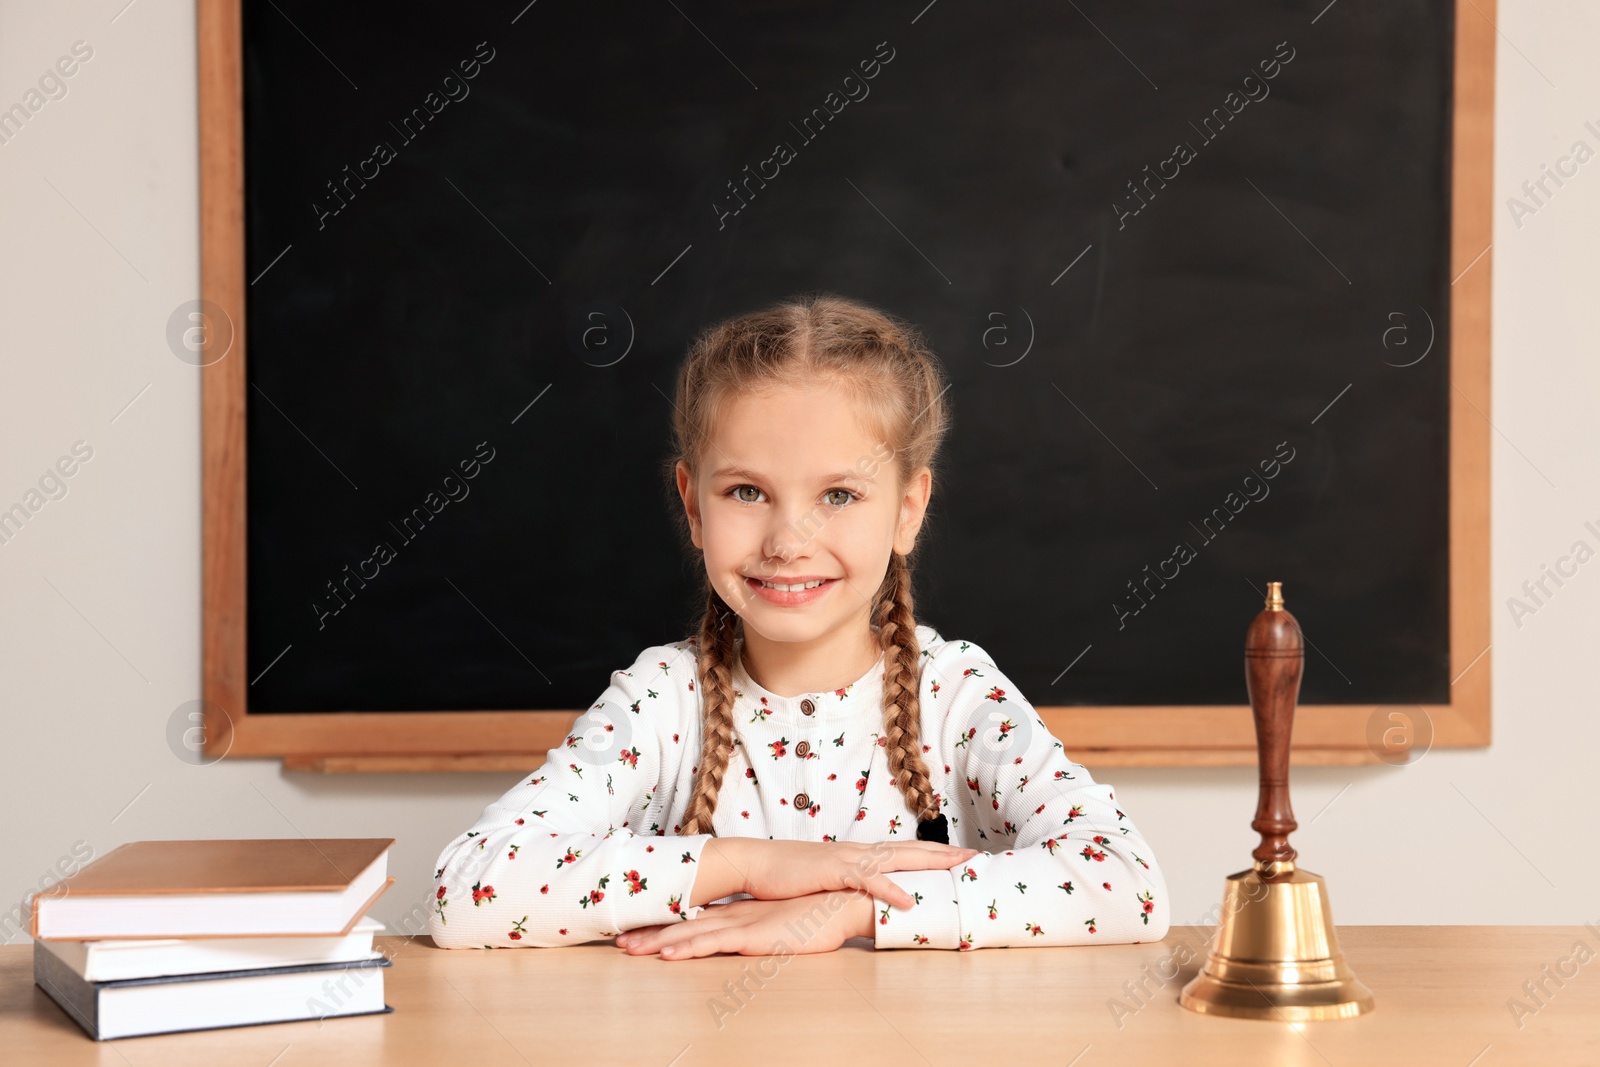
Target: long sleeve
pixel 575 851
pixel 1062 864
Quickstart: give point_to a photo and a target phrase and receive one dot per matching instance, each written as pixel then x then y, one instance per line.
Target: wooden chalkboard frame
pixel 1211 735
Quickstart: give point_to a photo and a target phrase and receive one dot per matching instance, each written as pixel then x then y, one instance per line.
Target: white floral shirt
pixel 587 846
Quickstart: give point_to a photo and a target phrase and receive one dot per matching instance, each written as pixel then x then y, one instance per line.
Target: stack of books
pixel 159 937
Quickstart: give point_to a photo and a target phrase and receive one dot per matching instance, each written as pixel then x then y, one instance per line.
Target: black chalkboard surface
pixel 1187 267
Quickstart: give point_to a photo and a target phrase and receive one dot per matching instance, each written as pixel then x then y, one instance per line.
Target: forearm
pixel 1036 896
pixel 722 867
pixel 526 887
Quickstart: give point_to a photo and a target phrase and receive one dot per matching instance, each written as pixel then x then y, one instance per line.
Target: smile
pixel 790 594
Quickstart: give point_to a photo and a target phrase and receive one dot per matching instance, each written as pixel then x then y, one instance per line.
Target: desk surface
pixel 1442 994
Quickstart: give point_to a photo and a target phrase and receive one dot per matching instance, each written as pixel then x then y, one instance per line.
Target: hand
pixel 759 928
pixel 776 870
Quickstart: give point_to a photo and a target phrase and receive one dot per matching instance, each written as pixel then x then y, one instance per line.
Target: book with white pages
pixel 144 957
pixel 250 887
pixel 176 1003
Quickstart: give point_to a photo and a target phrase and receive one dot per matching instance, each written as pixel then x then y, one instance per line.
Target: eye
pixel 738 489
pixel 850 497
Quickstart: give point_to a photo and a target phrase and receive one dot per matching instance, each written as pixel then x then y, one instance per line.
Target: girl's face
pixel 793 490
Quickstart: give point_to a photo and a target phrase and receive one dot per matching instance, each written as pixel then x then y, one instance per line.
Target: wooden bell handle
pixel 1274 658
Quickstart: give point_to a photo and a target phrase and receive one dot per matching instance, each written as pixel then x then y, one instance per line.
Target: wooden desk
pixel 1442 993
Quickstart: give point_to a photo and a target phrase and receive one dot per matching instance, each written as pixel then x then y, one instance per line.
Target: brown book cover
pixel 242 865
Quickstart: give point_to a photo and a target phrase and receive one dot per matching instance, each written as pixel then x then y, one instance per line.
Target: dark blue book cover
pixel 83 1000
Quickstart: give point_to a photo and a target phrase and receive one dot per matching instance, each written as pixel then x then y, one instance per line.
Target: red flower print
pixel 481 894
pixel 1148 902
pixel 440 894
pixel 1106 884
pixel 595 895
pixel 1089 853
pixel 862 814
pixel 969 875
pixel 966 943
pixel 519 822
pixel 1067 886
pixel 779 747
pixel 1090 924
pixel 635 883
pixel 545 888
pixel 1034 928
pixel 518 929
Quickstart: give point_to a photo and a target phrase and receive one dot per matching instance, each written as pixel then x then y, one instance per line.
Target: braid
pixel 902 706
pixel 715 642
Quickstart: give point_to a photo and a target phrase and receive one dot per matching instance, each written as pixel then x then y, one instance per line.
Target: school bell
pixel 1275 954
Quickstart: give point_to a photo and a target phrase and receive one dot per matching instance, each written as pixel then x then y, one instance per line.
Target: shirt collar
pixel 826 706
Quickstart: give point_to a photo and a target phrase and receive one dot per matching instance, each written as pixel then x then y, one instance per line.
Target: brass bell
pixel 1275 954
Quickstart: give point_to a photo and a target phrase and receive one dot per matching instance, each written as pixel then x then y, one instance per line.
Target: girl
pixel 826 767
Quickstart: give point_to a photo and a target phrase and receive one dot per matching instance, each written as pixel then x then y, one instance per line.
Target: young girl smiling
pixel 826 766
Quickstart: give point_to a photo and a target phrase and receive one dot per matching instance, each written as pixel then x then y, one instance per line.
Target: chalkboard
pixel 1188 269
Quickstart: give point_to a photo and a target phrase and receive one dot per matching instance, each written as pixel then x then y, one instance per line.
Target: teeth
pixel 791 588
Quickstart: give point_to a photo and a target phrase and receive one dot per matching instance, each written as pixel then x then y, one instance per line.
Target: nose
pixel 787 537
pixel 778 547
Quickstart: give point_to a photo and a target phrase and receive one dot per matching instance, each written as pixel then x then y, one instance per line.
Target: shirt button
pixel 802 748
pixel 801 802
pixel 806 707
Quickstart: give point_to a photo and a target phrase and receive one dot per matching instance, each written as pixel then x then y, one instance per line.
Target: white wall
pixel 100 624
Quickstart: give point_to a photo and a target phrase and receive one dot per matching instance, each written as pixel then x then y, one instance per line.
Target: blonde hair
pixel 897 385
